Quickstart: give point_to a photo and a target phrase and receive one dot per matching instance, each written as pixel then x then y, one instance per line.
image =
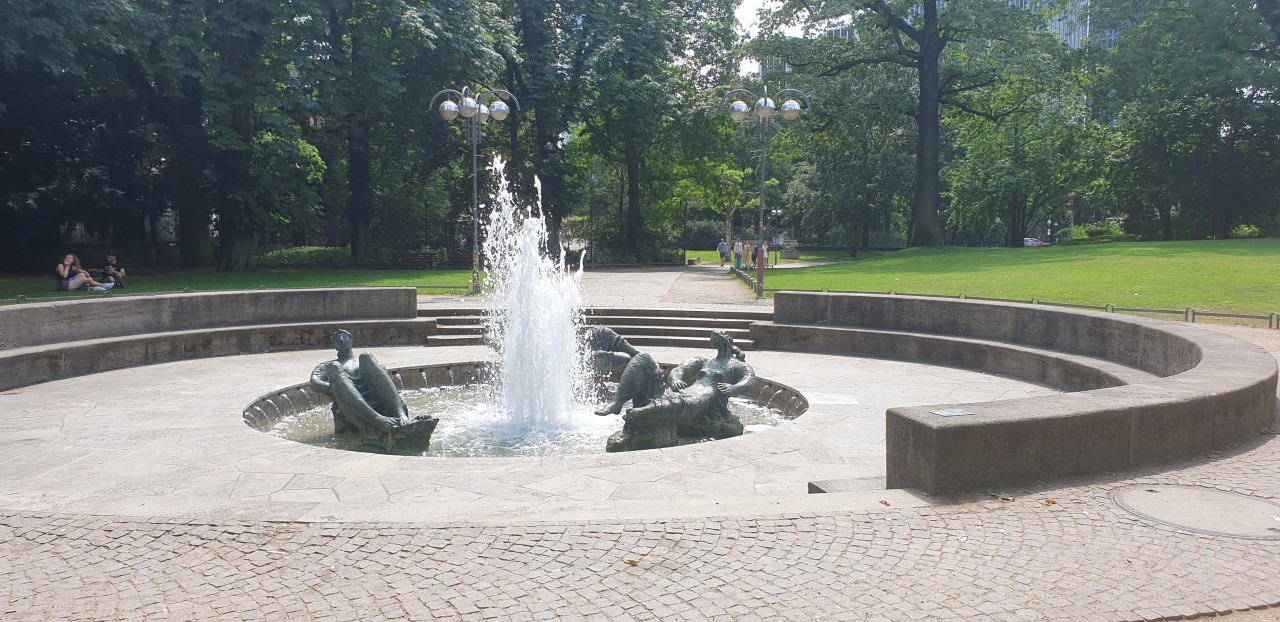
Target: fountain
pixel 539 383
pixel 534 319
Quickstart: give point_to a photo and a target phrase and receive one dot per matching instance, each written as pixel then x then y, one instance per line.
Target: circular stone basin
pixel 470 427
pixel 1204 510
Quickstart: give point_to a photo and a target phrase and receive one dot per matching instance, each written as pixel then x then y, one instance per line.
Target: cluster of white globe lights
pixel 764 108
pixel 469 107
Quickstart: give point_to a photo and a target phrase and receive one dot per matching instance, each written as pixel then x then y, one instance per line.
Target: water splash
pixel 534 318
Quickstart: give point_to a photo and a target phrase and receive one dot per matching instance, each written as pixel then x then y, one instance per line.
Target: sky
pixel 746 15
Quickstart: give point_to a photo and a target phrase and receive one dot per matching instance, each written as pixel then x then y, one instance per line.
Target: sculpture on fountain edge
pixel 693 403
pixel 365 399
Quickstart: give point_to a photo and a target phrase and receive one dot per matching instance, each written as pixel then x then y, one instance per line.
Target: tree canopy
pixel 205 132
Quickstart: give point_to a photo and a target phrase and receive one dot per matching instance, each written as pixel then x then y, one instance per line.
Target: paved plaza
pixel 140 494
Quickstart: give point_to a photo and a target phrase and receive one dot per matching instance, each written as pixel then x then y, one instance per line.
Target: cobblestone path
pixel 1013 556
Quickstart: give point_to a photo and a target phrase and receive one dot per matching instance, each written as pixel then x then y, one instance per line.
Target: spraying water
pixel 534 316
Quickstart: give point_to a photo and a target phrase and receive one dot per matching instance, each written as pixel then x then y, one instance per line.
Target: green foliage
pixel 704 234
pixel 1244 232
pixel 1190 89
pixel 1104 229
pixel 307 257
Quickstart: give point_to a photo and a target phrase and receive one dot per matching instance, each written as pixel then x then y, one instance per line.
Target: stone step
pixel 703 332
pixel 459 329
pixel 455 340
pixel 439 311
pixel 850 484
pixel 680 313
pixel 684 342
pixel 685 322
pixel 459 320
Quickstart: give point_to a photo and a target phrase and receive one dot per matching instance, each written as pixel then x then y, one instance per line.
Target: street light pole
pixel 764 109
pixel 475 108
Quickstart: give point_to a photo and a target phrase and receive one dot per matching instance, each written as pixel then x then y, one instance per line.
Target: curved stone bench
pixel 1144 390
pixel 49 341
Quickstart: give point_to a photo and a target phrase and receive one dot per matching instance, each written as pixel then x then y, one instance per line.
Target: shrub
pixel 1074 232
pixel 1105 228
pixel 1245 231
pixel 704 234
pixel 307 257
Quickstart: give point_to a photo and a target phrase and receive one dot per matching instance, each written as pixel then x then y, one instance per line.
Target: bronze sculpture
pixel 695 408
pixel 365 399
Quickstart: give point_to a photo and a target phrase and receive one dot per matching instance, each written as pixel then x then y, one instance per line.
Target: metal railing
pixel 1188 314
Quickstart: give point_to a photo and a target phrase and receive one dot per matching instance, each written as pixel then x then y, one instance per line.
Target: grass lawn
pixel 1240 276
pixel 805 256
pixel 145 280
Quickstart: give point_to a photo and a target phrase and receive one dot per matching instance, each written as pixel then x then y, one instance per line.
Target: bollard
pixel 23 299
pixel 1035 300
pixel 1275 318
pixel 893 292
pixel 1110 308
pixel 962 296
pixel 1189 315
pixel 186 290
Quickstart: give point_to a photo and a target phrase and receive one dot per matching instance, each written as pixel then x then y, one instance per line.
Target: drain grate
pixel 1203 510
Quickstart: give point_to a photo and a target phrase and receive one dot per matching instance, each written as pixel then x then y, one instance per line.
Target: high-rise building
pixel 1071 26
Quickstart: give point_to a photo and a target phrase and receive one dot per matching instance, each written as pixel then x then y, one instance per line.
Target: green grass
pixel 145 280
pixel 805 256
pixel 1239 276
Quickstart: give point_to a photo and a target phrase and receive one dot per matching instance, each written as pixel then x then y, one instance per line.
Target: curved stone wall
pixel 1185 390
pixel 48 341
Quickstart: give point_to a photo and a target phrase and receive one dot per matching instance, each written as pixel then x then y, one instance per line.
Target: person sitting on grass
pixel 71 277
pixel 113 273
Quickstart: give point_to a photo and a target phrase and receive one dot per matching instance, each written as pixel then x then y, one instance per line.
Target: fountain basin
pixel 447 391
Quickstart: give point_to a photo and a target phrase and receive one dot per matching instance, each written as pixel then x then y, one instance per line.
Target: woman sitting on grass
pixel 70 276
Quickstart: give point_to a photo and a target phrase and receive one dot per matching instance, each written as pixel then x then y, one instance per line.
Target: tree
pixel 859 153
pixel 1018 168
pixel 952 48
pixel 1190 88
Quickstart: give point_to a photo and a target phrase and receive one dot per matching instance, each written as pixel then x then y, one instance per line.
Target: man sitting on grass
pixel 113 272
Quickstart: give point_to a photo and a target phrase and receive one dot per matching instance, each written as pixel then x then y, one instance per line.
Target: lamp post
pixel 475 108
pixel 763 109
pixel 777 216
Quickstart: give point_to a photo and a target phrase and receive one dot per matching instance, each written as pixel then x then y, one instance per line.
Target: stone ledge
pixel 1206 391
pixel 102 334
pixel 33 365
pixel 86 319
pixel 1068 372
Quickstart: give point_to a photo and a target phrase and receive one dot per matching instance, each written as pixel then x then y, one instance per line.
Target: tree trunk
pixel 185 176
pixel 924 210
pixel 634 224
pixel 728 224
pixel 360 184
pixel 237 249
pixel 1166 221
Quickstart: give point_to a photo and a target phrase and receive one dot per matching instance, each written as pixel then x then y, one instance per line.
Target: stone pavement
pixel 118 500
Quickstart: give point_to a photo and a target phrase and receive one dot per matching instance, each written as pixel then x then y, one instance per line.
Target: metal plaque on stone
pixel 951 412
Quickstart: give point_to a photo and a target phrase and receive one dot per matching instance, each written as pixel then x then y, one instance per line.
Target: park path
pixel 696 287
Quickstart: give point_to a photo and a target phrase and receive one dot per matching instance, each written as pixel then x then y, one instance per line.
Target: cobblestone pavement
pixel 1060 551
pixel 1080 557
